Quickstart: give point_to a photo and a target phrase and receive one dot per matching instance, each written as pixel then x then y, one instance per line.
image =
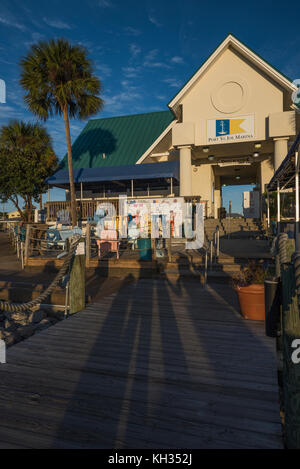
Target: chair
pixel 54 239
pixel 63 217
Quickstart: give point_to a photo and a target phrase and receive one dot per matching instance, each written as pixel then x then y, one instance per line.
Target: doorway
pixel 234 194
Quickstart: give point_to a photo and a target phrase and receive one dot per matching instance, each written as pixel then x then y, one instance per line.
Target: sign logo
pixel 228 130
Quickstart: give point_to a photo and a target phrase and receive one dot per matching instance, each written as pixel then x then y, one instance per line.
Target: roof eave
pixel 230 40
pixel 156 142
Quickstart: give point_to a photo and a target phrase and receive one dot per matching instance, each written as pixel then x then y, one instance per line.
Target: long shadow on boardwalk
pixel 159 364
pixel 166 365
pixel 126 393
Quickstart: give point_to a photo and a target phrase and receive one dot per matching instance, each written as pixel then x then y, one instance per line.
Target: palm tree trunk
pixel 70 165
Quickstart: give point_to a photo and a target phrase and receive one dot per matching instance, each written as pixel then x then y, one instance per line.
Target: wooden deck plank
pixel 159 364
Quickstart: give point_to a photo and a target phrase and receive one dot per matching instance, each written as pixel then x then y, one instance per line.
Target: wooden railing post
pixel 88 244
pixel 153 247
pixel 27 243
pixel 77 280
pixel 169 247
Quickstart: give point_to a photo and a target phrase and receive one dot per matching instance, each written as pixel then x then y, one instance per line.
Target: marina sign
pixel 235 129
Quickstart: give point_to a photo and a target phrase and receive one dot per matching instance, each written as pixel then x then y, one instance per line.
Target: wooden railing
pixel 86 208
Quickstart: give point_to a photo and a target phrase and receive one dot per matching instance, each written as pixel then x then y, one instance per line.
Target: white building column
pixel 185 170
pixel 280 150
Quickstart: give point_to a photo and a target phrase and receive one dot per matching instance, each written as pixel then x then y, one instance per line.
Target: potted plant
pixel 249 285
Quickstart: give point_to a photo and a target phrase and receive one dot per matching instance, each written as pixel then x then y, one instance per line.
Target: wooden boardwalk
pixel 159 364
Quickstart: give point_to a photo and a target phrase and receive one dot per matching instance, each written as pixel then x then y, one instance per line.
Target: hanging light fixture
pixel 205 149
pixel 255 154
pixel 211 157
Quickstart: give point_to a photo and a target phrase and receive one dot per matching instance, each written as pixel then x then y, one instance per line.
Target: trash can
pixel 272 306
pixel 144 246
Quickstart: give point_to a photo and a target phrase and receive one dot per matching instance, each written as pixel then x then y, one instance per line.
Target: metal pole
pixel 215 246
pixel 229 219
pixel 48 193
pixel 268 209
pixel 81 191
pixel 218 241
pixel 22 255
pixel 278 208
pixel 171 186
pixel 211 254
pixel 205 270
pixel 297 241
pixel 132 188
pixel 67 300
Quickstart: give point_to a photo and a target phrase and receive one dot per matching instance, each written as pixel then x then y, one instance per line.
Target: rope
pixel 16 307
pixel 282 240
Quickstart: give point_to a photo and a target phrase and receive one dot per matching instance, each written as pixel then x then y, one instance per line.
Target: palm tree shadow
pixel 92 148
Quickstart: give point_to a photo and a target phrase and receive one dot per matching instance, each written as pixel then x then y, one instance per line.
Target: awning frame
pixel 145 171
pixel 287 177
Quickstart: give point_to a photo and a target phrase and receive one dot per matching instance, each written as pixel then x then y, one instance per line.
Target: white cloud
pixel 104 69
pixel 131 72
pixel 10 112
pixel 158 65
pixel 105 4
pixel 177 60
pixel 35 37
pixel 150 61
pixel 132 31
pixel 152 54
pixel 173 82
pixel 86 44
pixel 134 50
pixel 11 22
pixel 152 18
pixel 56 23
pixel 125 82
pixel 124 101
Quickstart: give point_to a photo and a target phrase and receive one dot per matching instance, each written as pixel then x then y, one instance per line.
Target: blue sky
pixel 143 51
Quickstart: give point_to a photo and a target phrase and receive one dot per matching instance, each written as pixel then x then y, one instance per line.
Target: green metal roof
pixel 122 139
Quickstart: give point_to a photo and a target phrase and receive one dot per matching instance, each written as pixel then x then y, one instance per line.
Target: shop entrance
pixel 232 179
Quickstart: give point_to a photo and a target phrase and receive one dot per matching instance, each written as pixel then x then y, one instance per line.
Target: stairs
pixel 234 228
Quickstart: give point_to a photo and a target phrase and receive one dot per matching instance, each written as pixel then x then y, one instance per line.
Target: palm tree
pixel 58 79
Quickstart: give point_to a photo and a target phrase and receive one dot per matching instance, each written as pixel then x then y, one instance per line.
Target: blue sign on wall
pixel 222 127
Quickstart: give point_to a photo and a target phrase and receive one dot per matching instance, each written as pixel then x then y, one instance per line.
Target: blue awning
pixel 117 173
